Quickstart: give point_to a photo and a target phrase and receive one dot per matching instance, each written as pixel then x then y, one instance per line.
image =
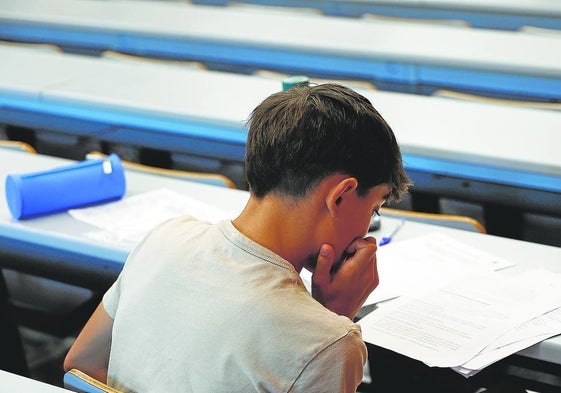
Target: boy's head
pixel 300 136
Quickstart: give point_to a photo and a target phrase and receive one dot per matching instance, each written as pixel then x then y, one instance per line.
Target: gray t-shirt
pixel 202 308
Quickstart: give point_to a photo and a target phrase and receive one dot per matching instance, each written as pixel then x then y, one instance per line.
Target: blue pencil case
pixel 84 183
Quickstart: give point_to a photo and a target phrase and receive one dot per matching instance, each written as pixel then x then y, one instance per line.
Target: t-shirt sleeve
pixel 111 298
pixel 338 368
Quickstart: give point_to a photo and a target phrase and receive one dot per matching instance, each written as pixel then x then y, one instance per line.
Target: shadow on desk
pixel 392 372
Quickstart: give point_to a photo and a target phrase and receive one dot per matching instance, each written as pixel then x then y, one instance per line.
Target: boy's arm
pixel 90 351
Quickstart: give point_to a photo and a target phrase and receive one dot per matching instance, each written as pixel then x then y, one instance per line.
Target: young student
pixel 221 307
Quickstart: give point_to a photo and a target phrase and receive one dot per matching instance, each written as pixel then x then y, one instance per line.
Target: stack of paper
pixel 427 261
pixel 469 321
pixel 527 333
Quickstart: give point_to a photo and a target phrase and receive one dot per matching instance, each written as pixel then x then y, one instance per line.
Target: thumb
pixel 324 263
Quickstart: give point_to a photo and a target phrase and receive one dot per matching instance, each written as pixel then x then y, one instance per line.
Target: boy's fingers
pixel 359 243
pixel 325 260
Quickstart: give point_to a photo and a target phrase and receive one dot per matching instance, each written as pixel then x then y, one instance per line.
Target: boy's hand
pixel 345 289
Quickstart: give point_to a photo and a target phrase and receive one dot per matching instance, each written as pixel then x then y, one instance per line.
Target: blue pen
pixel 386 239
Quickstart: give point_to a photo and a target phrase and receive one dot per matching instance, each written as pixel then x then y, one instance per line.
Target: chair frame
pixel 447 220
pixel 17 145
pixel 201 177
pixel 80 382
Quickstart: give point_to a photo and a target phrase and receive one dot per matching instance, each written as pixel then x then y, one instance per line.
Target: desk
pixel 196 112
pixel 16 384
pixel 475 151
pixel 57 246
pixel 496 14
pixel 64 251
pixel 395 55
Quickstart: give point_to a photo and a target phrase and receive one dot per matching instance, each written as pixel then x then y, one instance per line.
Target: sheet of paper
pixel 410 266
pixel 527 333
pixel 128 220
pixel 550 323
pixel 547 281
pixel 449 325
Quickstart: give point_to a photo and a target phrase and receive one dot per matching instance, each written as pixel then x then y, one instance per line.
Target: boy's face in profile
pixel 353 222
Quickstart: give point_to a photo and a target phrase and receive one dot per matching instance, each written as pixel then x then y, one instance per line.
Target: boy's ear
pixel 339 192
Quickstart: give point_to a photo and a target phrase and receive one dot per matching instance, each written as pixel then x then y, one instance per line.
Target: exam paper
pixel 427 261
pixel 448 326
pixel 128 220
pixel 526 334
pixel 549 322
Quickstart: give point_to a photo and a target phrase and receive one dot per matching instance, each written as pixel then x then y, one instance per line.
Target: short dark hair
pixel 300 136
